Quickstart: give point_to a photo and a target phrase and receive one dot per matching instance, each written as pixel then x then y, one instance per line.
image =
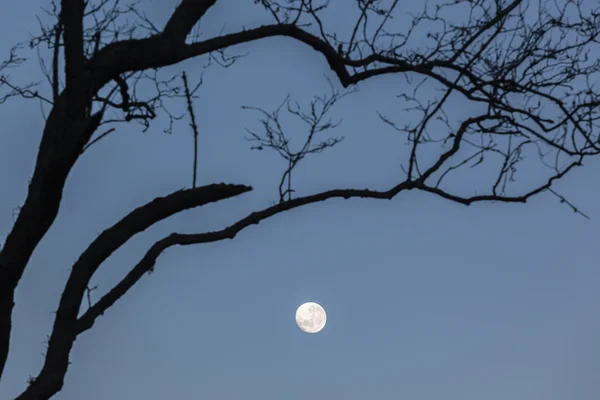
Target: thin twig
pixel 571 205
pixel 88 291
pixel 188 96
pixel 87 146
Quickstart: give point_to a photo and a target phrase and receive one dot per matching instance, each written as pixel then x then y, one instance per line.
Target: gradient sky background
pixel 426 299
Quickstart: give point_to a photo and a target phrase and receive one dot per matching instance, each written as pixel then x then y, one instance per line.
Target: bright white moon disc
pixel 311 317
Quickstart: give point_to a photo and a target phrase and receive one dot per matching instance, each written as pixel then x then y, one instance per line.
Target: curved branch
pixel 65 330
pixel 492 197
pixel 158 51
pixel 86 321
pixel 186 15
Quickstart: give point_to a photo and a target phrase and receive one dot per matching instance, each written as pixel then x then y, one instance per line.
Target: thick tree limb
pixel 65 330
pixel 75 71
pixel 157 51
pixel 186 15
pixel 57 154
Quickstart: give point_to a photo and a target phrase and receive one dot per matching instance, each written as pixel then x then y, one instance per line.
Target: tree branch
pixel 156 52
pixel 65 330
pixel 186 15
pixel 71 16
pixel 146 264
pixel 188 97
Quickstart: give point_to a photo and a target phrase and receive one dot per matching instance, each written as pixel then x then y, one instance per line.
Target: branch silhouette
pixel 532 88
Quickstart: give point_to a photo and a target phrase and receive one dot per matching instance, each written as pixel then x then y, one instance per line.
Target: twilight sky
pixel 425 299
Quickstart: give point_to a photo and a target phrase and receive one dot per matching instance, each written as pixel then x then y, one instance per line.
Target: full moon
pixel 311 317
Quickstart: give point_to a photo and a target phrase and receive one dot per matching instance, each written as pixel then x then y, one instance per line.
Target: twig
pixel 87 146
pixel 571 205
pixel 89 298
pixel 188 96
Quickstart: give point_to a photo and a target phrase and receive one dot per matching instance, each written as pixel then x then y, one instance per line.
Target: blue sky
pixel 425 299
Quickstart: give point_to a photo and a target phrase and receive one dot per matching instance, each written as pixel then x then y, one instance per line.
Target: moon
pixel 311 317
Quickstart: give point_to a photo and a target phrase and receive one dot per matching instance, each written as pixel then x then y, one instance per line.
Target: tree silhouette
pixel 524 65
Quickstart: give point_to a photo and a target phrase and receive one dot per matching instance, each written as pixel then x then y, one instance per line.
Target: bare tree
pixel 522 64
